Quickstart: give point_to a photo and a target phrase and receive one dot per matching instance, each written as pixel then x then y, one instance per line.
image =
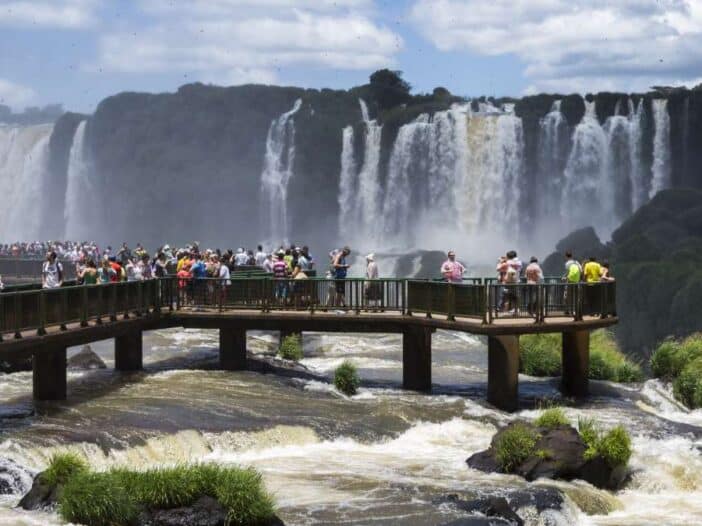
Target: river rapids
pixel 384 456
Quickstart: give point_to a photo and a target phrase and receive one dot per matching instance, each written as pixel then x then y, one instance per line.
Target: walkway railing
pixel 31 268
pixel 27 310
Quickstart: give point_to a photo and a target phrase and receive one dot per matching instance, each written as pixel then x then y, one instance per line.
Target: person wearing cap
pixel 452 270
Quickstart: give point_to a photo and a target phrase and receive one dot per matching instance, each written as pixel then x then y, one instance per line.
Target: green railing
pixel 27 310
pixel 22 268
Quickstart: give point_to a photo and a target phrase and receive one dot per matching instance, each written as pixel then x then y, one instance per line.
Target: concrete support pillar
pixel 284 334
pixel 49 374
pixel 128 352
pixel 232 349
pixel 416 358
pixel 576 363
pixel 503 372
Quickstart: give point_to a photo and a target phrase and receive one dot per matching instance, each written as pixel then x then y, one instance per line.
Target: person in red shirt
pixel 117 276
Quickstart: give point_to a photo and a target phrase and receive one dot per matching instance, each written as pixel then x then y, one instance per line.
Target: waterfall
pixel 661 147
pixel 489 196
pixel 639 192
pixel 585 174
pixel 24 158
pixel 618 199
pixel 552 156
pixel 80 206
pixel 347 185
pixel 278 166
pixel 369 187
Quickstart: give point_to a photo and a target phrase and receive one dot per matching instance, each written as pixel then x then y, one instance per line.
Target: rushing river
pixel 384 456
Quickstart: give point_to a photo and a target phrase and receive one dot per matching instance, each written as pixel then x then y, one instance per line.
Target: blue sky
pixel 76 52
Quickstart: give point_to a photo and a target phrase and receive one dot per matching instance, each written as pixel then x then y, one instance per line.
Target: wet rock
pixel 41 495
pixel 86 359
pixel 206 511
pixel 15 365
pixel 492 507
pixel 13 478
pixel 558 454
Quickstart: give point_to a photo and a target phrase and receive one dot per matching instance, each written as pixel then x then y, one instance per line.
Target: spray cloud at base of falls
pixel 278 166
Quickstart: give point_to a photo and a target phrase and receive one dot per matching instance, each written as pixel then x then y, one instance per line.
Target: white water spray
pixel 278 166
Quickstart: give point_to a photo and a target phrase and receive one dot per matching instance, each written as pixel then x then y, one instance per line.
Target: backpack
pixel 574 273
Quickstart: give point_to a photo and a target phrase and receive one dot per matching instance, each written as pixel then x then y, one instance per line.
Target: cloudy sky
pixel 76 52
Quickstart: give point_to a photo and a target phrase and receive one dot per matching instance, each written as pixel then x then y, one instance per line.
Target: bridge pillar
pixel 232 349
pixel 503 372
pixel 576 363
pixel 416 358
pixel 128 352
pixel 49 374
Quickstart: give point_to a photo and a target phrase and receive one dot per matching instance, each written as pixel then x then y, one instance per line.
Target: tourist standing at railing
pixel 534 276
pixel 605 275
pixel 260 256
pixel 280 273
pixel 341 268
pixel 241 257
pixel 106 272
pixel 52 272
pixel 2 285
pixel 372 291
pixel 452 270
pixel 573 275
pixel 592 270
pixel 268 263
pixel 89 274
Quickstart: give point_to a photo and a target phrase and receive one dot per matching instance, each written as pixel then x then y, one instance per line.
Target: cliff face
pixel 187 165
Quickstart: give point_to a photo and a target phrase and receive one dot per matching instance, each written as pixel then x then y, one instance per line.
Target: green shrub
pixel 687 387
pixel 662 359
pixel 552 418
pixel 540 354
pixel 291 348
pixel 97 499
pixel 615 447
pixel 608 362
pixel 690 350
pixel 242 493
pixel 346 378
pixel 62 467
pixel 115 497
pixel 514 446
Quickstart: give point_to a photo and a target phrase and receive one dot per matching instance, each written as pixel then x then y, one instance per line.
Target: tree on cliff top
pixel 389 88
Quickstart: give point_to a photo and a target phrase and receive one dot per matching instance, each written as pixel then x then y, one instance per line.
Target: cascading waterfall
pixel 638 179
pixel 81 193
pixel 586 174
pixel 347 184
pixel 552 156
pixel 278 166
pixel 24 158
pixel 369 187
pixel 661 147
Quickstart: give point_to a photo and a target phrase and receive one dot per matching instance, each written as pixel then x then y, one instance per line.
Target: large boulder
pixel 41 496
pixel 559 453
pixel 86 359
pixel 206 511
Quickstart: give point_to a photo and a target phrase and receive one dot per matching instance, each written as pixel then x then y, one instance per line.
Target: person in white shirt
pixel 260 256
pixel 52 272
pixel 240 258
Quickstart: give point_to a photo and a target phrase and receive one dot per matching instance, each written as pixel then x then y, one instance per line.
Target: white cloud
pixel 249 40
pixel 15 95
pixel 68 14
pixel 569 45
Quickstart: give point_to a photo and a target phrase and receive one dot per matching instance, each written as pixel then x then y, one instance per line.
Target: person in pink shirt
pixel 452 270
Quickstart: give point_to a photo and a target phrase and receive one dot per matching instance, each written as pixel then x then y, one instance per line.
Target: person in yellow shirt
pixel 592 271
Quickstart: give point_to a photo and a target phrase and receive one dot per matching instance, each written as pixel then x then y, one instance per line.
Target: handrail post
pixel 359 297
pixel 18 313
pixel 579 302
pixel 113 301
pixel 41 331
pixel 64 309
pixel 125 286
pixel 430 302
pixel 484 300
pixel 406 292
pixel 490 302
pixel 451 302
pixel 100 303
pixel 140 298
pixel 2 316
pixel 84 306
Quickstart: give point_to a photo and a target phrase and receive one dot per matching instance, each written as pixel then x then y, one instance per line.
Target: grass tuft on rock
pixel 514 446
pixel 614 446
pixel 346 378
pixel 97 499
pixel 291 348
pixel 681 363
pixel 116 497
pixel 63 466
pixel 687 387
pixel 540 355
pixel 552 418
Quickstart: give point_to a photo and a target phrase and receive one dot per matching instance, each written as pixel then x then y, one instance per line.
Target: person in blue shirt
pixel 199 272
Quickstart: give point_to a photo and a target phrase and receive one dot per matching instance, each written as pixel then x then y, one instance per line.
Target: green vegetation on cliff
pixel 540 355
pixel 681 363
